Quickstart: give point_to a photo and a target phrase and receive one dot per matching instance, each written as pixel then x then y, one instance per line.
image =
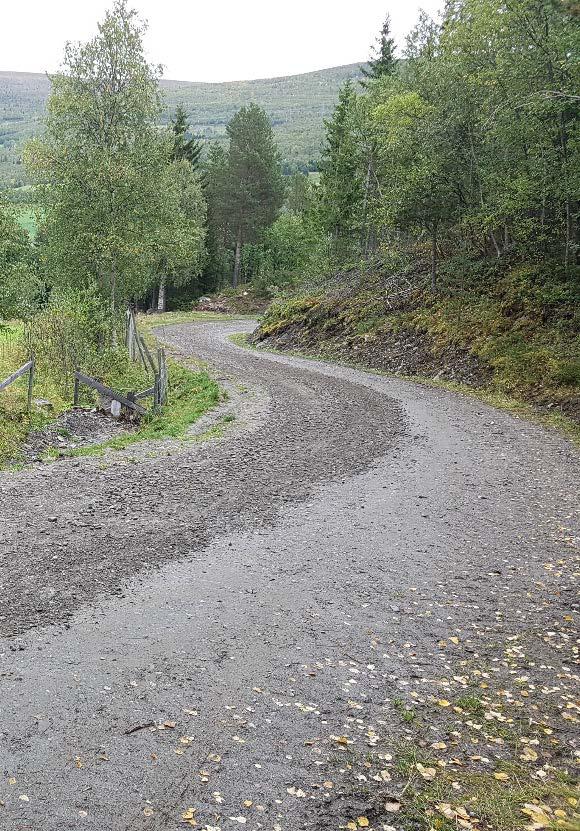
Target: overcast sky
pixel 212 40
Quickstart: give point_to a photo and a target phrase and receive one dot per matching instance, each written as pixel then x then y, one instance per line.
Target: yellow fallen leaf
pixel 189 814
pixel 438 745
pixel 454 640
pixel 148 812
pixel 529 754
pixel 248 803
pixel 351 826
pixel 426 773
pixel 328 784
pixel 503 777
pixel 363 822
pixel 536 814
pixel 392 806
pixel 444 703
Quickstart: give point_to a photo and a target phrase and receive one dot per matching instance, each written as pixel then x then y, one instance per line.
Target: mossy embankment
pixel 513 338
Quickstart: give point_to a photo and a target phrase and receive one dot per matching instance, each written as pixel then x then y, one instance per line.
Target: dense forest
pixel 446 220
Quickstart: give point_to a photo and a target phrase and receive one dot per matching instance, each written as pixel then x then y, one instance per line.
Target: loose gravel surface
pixel 230 632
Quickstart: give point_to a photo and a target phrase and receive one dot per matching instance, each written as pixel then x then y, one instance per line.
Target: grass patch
pixel 241 339
pixel 499 805
pixel 147 322
pixel 27 219
pixel 407 713
pixel 15 421
pixel 191 394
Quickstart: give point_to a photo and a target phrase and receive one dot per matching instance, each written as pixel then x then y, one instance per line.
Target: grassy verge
pixel 492 397
pixel 15 422
pixel 191 394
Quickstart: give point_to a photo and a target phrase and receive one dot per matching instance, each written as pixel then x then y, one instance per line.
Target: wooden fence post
pixel 162 376
pixel 76 390
pixel 31 381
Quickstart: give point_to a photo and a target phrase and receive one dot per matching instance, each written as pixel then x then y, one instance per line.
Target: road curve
pixel 241 593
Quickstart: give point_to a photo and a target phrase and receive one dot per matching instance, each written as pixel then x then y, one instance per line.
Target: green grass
pixel 497 804
pixel 191 394
pixel 15 422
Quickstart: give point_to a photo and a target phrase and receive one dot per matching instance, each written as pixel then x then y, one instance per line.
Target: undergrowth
pixel 522 326
pixel 191 393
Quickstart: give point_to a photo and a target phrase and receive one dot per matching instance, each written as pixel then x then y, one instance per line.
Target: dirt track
pixel 248 589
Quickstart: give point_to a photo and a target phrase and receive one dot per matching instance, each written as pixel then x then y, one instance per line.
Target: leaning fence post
pixel 76 389
pixel 30 381
pixel 163 376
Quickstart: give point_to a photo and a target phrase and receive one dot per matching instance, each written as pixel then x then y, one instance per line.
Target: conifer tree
pixel 342 190
pixel 249 189
pixel 184 148
pixel 383 61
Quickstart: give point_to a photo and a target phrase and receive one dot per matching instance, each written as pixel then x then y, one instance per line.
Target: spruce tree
pixel 184 148
pixel 342 189
pixel 383 61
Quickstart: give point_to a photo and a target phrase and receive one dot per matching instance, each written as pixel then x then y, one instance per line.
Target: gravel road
pixel 224 632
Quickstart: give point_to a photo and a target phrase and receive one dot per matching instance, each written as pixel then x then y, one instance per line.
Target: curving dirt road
pixel 227 632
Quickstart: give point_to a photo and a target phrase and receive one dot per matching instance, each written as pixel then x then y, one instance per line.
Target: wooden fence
pixel 28 367
pixel 139 351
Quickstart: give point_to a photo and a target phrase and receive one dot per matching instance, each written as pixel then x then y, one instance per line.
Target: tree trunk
pixel 161 297
pixel 238 258
pixel 434 257
pixel 114 307
pixel 366 230
pixel 495 245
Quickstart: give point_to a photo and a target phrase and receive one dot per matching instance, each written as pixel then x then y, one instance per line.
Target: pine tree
pixel 383 61
pixel 184 148
pixel 250 191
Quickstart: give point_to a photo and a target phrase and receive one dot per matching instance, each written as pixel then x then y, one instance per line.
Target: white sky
pixel 212 40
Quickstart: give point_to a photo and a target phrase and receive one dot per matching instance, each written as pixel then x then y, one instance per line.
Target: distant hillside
pixel 296 104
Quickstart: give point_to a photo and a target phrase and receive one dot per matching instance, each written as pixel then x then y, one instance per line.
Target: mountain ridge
pixel 296 104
